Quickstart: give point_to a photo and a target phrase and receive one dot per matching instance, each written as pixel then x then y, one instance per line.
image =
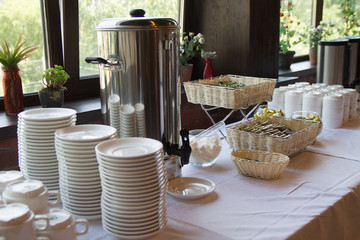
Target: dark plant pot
pixel 51 98
pixel 313 56
pixel 286 59
pixel 186 72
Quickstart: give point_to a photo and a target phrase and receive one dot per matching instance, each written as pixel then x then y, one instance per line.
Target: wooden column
pixel 244 33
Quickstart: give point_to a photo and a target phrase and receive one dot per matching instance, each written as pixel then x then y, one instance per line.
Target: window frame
pixel 61 46
pixel 315 18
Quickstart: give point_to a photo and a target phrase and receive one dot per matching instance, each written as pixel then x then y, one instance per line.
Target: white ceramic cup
pixel 278 98
pixel 333 110
pixel 293 101
pixel 33 193
pixel 63 226
pixel 312 101
pixel 17 222
pixel 7 177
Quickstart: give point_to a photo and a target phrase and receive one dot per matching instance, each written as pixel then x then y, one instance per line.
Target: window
pixel 70 36
pixel 303 11
pixel 15 18
pixel 345 15
pixel 92 12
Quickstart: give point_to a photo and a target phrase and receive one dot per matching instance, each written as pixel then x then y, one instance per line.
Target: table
pixel 316 197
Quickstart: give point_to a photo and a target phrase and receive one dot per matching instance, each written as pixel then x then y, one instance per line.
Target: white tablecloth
pixel 317 197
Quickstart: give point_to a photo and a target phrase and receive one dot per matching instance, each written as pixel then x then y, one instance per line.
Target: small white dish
pixel 190 187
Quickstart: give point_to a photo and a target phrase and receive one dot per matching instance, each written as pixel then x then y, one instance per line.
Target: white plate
pixel 85 133
pixel 136 234
pixel 47 114
pixel 155 157
pixel 129 147
pixel 190 187
pixel 133 227
pixel 43 127
pixel 132 193
pixel 70 120
pixel 119 186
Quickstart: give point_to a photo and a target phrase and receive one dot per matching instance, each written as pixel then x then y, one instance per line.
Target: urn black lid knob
pixel 137 13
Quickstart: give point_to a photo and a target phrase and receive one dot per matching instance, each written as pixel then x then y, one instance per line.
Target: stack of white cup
pixel 302 84
pixel 333 110
pixel 62 226
pixel 335 88
pixel 293 101
pixel 346 97
pixel 33 193
pixel 18 222
pixel 8 177
pixel 312 101
pixel 278 98
pixel 354 95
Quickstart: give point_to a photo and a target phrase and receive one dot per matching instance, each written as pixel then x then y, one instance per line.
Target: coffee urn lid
pixel 136 21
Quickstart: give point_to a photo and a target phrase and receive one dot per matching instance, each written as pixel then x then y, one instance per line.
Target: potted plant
pixel 350 18
pixel 313 35
pixel 191 46
pixel 10 57
pixel 288 34
pixel 52 94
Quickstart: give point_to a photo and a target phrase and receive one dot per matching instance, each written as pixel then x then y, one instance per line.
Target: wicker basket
pixel 305 134
pixel 256 90
pixel 259 164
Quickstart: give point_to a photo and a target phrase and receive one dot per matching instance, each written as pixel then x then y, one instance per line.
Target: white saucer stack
pixel 36 143
pixel 127 121
pixel 114 102
pixel 80 186
pixel 133 180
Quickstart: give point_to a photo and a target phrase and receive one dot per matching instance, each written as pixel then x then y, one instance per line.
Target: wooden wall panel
pixel 244 33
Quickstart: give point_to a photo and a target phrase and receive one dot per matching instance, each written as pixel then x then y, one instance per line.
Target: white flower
pixel 199 35
pixel 191 34
pixel 320 27
pixel 202 40
pixel 322 23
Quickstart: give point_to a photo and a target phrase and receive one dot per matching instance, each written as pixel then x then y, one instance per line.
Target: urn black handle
pixel 96 60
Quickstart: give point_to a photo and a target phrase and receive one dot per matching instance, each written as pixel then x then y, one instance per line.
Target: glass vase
pixel 208 71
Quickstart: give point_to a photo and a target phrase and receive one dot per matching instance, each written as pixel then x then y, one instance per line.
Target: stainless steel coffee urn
pixel 332 61
pixel 139 61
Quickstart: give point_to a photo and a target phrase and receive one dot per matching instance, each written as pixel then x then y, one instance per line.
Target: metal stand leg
pixel 245 116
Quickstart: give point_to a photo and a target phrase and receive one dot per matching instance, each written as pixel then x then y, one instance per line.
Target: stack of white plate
pixel 36 143
pixel 133 179
pixel 80 186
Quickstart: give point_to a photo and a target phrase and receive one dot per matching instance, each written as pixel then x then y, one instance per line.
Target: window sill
pixel 87 110
pixel 298 69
